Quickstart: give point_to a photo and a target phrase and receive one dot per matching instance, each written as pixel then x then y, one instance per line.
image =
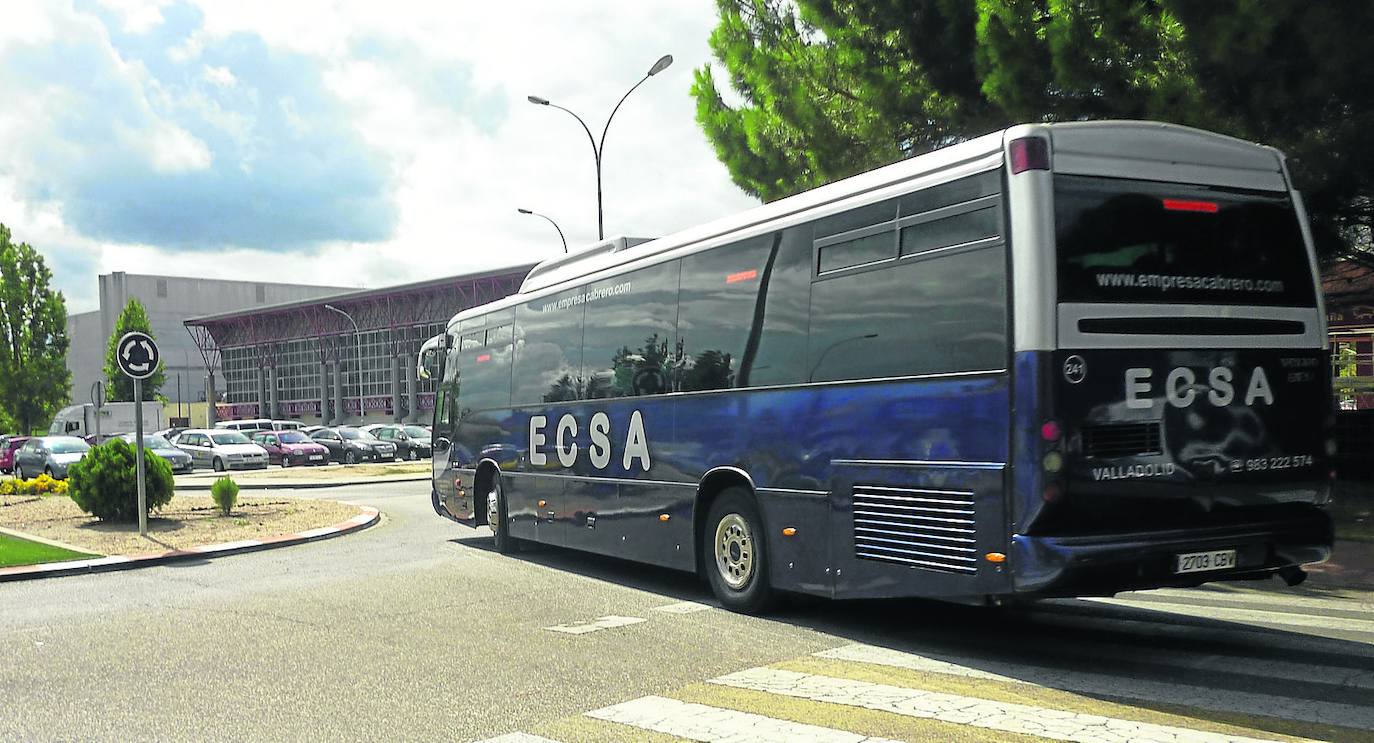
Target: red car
pixel 289 448
pixel 8 445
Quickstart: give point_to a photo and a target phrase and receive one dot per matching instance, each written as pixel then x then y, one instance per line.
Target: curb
pixel 368 517
pixel 305 485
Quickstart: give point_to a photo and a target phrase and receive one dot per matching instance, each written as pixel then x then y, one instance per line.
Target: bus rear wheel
pixel 498 519
pixel 736 553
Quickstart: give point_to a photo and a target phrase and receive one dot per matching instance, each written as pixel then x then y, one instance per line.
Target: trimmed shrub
pixel 225 492
pixel 105 483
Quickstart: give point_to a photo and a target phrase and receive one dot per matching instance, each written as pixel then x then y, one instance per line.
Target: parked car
pixel 221 449
pixel 251 424
pixel 159 446
pixel 350 445
pixel 48 454
pixel 170 433
pixel 291 448
pixel 8 445
pixel 412 442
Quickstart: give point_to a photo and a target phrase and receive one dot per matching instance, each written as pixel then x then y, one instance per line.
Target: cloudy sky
pixel 349 143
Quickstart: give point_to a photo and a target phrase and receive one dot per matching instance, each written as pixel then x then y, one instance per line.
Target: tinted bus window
pixel 956 229
pixel 484 366
pixel 742 313
pixel 1139 241
pixel 954 192
pixel 946 313
pixel 631 320
pixel 548 349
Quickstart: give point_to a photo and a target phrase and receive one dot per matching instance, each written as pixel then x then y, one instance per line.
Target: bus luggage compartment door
pixel 919 529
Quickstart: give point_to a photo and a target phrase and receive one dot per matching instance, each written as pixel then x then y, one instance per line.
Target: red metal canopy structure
pixel 278 360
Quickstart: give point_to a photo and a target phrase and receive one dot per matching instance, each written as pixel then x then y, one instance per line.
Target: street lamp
pixel 598 149
pixel 832 347
pixel 357 336
pixel 555 226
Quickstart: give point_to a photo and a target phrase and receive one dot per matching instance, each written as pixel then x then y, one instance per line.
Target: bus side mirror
pixel 441 444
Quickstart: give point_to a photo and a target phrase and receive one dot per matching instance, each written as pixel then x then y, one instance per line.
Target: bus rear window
pixel 1140 241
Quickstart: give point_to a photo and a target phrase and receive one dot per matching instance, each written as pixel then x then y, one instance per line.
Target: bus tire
pixel 735 553
pixel 498 519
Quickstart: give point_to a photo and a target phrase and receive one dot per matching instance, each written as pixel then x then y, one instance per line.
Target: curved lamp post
pixel 357 336
pixel 555 226
pixel 599 148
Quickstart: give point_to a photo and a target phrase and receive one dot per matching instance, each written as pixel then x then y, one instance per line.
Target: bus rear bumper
pixel 1101 565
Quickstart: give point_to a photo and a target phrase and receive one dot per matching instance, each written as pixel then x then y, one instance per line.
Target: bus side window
pixel 945 313
pixel 548 349
pixel 742 313
pixel 631 321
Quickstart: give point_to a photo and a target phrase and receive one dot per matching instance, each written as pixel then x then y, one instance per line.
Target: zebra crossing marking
pixel 708 724
pixel 1123 687
pixel 971 711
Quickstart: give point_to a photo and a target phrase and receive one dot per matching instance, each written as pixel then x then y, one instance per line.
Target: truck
pixel 115 418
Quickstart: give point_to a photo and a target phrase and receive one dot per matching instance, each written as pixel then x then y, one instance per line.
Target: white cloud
pixel 220 76
pixel 438 91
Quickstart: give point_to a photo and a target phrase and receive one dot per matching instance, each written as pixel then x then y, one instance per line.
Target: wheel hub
pixel 734 551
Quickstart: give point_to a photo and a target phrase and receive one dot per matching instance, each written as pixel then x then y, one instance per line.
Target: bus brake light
pixel 1029 153
pixel 739 276
pixel 1185 205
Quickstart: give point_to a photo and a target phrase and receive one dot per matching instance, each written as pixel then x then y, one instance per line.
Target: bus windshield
pixel 1140 241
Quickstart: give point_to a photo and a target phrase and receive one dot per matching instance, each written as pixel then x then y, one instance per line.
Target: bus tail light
pixel 1050 431
pixel 1052 492
pixel 1029 153
pixel 1053 462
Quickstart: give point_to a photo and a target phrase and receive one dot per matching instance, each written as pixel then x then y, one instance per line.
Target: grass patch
pixel 15 551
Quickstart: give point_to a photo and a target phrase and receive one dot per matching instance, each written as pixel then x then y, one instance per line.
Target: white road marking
pixel 1253 616
pixel 682 607
pixel 1012 718
pixel 1124 687
pixel 518 738
pixel 608 622
pixel 700 722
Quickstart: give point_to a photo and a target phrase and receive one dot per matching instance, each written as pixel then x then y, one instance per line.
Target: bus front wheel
pixel 497 518
pixel 736 553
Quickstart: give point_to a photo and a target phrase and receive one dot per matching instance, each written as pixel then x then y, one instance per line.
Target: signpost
pixel 98 401
pixel 138 357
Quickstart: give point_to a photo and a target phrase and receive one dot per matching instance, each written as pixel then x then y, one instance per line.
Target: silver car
pixel 160 447
pixel 48 454
pixel 221 449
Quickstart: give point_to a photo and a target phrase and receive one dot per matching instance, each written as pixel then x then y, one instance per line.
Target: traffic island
pixel 189 527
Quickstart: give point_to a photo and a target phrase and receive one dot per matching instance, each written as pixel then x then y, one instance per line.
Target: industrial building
pixel 343 358
pixel 169 300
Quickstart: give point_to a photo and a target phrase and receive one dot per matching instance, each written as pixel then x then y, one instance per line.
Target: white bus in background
pixel 115 418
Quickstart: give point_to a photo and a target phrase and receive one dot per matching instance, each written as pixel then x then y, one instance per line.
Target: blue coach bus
pixel 1056 360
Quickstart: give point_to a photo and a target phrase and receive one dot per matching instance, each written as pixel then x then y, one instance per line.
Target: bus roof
pixel 1076 146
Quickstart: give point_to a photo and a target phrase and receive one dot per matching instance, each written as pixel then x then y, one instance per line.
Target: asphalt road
pixel 414 629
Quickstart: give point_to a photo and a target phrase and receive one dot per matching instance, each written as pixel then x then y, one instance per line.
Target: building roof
pixel 361 295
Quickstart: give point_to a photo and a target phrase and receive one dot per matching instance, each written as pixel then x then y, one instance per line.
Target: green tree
pixel 34 381
pixel 829 88
pixel 119 387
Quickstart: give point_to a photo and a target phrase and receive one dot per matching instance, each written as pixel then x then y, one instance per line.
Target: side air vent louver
pixel 1121 440
pixel 931 529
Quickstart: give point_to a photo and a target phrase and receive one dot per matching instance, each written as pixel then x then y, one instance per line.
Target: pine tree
pixel 829 88
pixel 118 386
